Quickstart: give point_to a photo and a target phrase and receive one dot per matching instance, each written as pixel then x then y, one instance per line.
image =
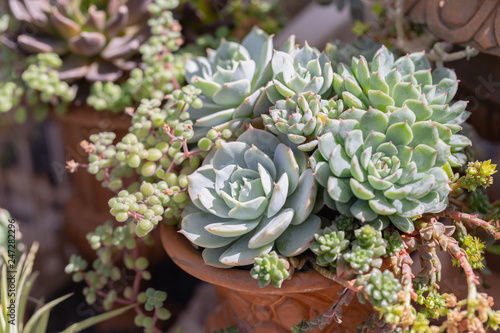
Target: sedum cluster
pixel 119 261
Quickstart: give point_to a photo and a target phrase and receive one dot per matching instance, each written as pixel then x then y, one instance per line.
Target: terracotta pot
pixel 243 304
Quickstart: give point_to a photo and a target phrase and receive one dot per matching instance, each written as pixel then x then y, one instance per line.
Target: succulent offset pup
pixel 96 43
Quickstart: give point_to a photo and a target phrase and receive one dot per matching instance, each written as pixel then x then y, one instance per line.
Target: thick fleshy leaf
pixel 193 227
pixel 353 142
pixel 232 228
pixel 402 223
pixel 239 254
pixel 41 45
pixel 377 83
pixel 278 197
pixel 403 91
pixel 271 228
pixel 232 93
pixel 425 132
pixel 398 192
pixel 104 71
pixel 424 157
pixel 340 163
pixel 230 153
pixel 374 139
pixel 422 187
pixel 352 101
pixel 211 257
pixel 255 157
pixel 248 210
pixel 326 144
pixel 381 206
pixel 402 115
pixel 204 177
pixel 87 44
pixel 285 163
pixel 339 189
pixel 303 197
pixel 357 171
pixel 399 134
pixel 263 140
pixel 215 118
pixel 379 183
pixel 213 203
pixel 421 111
pixel 297 238
pixel 361 190
pixel 380 100
pixel 362 211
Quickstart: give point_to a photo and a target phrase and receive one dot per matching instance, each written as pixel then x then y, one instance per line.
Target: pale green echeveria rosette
pixel 255 194
pixel 379 166
pixel 231 78
pixel 299 70
pixel 302 118
pixel 408 82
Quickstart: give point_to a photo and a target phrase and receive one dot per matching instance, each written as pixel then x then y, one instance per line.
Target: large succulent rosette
pixel 98 42
pixel 387 85
pixel 376 165
pixel 253 195
pixel 231 79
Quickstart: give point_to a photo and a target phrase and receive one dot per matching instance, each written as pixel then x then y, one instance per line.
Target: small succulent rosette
pixel 302 118
pixel 252 196
pixel 299 70
pixel 100 43
pixel 231 79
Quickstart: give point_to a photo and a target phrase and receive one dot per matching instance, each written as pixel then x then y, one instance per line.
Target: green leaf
pixel 232 93
pixel 405 65
pixel 271 228
pixel 340 163
pixel 381 206
pixel 352 101
pixel 421 111
pixel 402 223
pixel 353 142
pixel 404 91
pixel 303 197
pixel 373 120
pixel 41 312
pixel 278 197
pixel 424 157
pixel 399 134
pixel 361 190
pixel 362 211
pixel 193 227
pixel 255 157
pixel 377 83
pixel 425 132
pixel 232 228
pixel 423 77
pixel 401 115
pixel 339 189
pixel 380 100
pixel 285 163
pixel 239 254
pixel 84 324
pixel 297 238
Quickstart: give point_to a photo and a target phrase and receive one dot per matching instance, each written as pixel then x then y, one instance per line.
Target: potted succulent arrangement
pixel 302 172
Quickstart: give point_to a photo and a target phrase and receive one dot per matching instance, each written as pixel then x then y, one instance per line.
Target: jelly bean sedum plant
pixel 282 161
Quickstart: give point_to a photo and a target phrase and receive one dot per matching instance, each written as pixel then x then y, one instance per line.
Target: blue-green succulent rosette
pixel 251 196
pixel 232 80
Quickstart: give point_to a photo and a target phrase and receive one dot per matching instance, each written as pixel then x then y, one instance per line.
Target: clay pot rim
pixel 187 257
